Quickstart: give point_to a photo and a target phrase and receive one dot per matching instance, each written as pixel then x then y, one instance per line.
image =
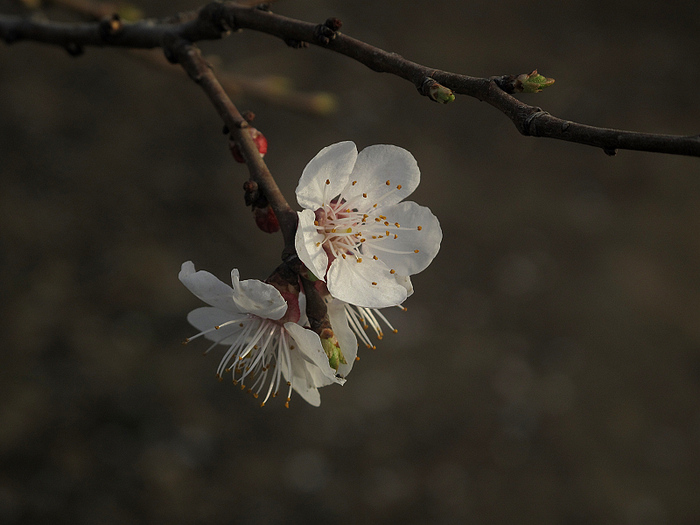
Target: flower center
pixel 357 228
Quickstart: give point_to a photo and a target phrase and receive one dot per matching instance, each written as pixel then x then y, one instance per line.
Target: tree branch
pixel 215 20
pixel 190 58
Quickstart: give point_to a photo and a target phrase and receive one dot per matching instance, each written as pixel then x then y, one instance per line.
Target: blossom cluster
pixel 359 242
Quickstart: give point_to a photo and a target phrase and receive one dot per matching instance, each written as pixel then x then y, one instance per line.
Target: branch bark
pixel 215 20
pixel 190 58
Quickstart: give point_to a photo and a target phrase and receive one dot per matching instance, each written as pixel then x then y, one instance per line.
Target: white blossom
pixel 266 348
pixel 355 232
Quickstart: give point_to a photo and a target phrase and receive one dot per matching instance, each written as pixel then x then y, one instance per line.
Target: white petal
pixel 409 239
pixel 257 298
pixel 301 382
pixel 308 343
pixel 314 257
pixel 405 281
pixel 333 163
pixel 206 318
pixel 346 337
pixel 351 282
pixel 208 288
pixel 374 167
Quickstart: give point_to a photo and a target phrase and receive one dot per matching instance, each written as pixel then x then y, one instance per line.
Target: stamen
pixel 388 183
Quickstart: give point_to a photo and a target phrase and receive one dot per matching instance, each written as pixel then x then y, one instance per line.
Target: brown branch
pixel 190 58
pixel 217 19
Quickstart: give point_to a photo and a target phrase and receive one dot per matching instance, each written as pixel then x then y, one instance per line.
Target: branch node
pixel 214 14
pixel 324 33
pixel 529 126
pixel 74 50
pixel 296 44
pixel 110 27
pixel 436 92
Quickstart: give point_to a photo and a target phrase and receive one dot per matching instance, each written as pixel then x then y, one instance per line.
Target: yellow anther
pixel 359 259
pixel 387 234
pixel 382 217
pixel 364 195
pixel 328 181
pixel 363 239
pixel 397 225
pixel 343 255
pixel 419 228
pixel 375 257
pixel 185 341
pixel 398 187
pixel 374 284
pixel 333 230
pixel 386 223
pixel 416 251
pixel 357 358
pixel 354 182
pixel 349 230
pixel 375 205
pixel 392 271
pixel 374 236
pixel 395 331
pixel 377 219
pixel 388 183
pixel 396 236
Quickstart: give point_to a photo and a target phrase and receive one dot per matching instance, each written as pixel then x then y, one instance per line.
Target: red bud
pixel 260 142
pixel 266 219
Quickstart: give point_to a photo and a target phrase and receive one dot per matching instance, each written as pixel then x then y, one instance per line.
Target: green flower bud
pixel 532 83
pixel 440 93
pixel 332 348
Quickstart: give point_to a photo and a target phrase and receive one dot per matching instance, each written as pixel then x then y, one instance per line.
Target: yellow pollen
pixel 343 255
pixel 349 230
pixel 328 181
pixel 420 228
pixel 357 358
pixel 386 223
pixel 380 237
pixel 392 271
pixel 364 216
pixel 354 182
pixel 377 219
pixel 416 251
pixel 317 244
pixel 363 240
pixel 382 217
pixel 374 236
pixel 375 257
pixel 315 223
pixel 396 236
pixel 388 183
pixel 262 404
pixel 364 195
pixel 388 234
pixel 398 187
pixel 374 284
pixel 286 405
pixel 359 259
pixel 348 210
pixel 333 230
pixel 395 331
pixel 397 225
pixel 374 206
pixel 217 327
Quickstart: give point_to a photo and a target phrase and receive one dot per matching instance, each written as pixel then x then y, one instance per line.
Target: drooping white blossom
pixel 266 347
pixel 356 233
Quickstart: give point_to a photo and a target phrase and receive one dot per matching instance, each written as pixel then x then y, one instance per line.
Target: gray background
pixel 547 369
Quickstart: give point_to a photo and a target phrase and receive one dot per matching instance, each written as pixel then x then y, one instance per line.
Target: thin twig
pixel 190 58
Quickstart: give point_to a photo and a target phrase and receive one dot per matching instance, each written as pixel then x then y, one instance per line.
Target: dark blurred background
pixel 547 369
